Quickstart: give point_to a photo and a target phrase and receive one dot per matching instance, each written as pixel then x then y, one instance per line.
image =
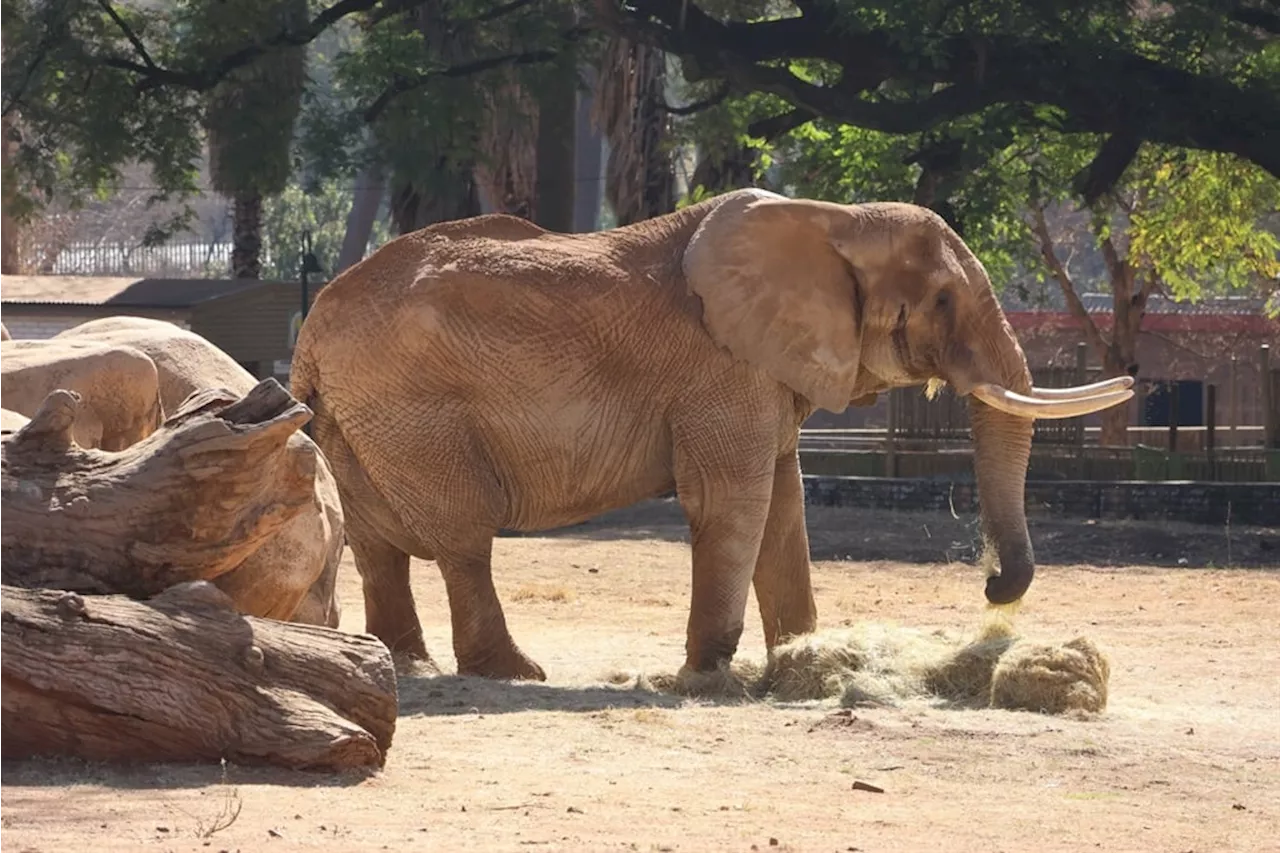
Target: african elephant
pixel 118 385
pixel 295 571
pixel 486 374
pixel 12 421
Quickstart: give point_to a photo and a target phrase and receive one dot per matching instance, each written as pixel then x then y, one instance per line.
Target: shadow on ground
pixel 454 695
pixel 60 772
pixel 939 537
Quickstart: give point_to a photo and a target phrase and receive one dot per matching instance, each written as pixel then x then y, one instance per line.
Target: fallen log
pixel 189 502
pixel 185 677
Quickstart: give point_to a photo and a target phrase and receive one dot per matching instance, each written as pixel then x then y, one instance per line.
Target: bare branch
pixel 1040 228
pixel 1107 167
pixel 771 128
pixel 408 84
pixel 1150 100
pixel 706 103
pixel 128 33
pixel 201 80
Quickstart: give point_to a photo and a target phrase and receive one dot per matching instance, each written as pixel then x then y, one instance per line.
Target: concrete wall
pixel 1195 502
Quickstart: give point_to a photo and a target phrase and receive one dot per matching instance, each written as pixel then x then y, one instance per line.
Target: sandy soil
pixel 1187 757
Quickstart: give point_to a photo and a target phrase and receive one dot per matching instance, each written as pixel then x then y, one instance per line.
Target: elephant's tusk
pixel 999 397
pixel 1118 383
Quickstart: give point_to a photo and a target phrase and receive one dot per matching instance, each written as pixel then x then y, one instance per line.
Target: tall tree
pixel 631 109
pixel 251 112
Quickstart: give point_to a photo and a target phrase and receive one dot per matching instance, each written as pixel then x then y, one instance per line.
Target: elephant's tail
pixel 302 382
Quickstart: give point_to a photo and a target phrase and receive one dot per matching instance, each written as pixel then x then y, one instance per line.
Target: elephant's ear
pixel 776 293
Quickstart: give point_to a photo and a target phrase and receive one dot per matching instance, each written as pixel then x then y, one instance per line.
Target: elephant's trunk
pixel 1002 451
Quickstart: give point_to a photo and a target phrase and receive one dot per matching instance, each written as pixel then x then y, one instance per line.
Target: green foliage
pixel 251 113
pixel 322 211
pixel 78 121
pixel 1197 217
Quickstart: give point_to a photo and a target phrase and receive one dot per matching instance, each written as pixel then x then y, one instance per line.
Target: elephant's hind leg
pixel 389 610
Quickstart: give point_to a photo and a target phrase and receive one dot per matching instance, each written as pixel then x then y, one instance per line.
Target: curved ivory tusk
pixel 1118 383
pixel 999 397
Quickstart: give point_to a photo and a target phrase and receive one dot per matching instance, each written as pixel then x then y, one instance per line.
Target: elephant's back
pixel 186 362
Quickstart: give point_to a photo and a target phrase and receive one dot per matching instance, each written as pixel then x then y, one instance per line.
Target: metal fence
pixel 171 260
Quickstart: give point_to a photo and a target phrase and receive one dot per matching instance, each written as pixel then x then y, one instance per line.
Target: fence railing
pixel 930 438
pixel 171 260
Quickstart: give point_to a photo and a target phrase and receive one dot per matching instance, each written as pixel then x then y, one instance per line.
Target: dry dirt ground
pixel 1186 758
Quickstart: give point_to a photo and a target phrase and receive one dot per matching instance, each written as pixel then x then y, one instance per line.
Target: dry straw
pixel 884 663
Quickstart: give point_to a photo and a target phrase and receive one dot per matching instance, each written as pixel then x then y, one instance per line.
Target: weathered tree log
pixel 184 677
pixel 189 502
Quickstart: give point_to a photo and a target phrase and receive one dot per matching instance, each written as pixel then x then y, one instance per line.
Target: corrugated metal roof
pixel 117 290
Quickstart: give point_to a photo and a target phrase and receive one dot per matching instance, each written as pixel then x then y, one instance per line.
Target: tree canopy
pixel 974 107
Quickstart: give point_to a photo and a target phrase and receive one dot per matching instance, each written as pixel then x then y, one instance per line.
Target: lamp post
pixel 309 265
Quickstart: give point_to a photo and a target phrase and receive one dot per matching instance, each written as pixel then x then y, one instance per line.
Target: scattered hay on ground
pixel 1049 679
pixel 885 664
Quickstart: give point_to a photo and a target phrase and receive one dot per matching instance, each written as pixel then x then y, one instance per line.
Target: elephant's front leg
pixel 783 586
pixel 727 510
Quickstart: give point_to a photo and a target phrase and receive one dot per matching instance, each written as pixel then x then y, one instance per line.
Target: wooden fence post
pixel 1210 424
pixel 890 435
pixel 1233 405
pixel 1082 377
pixel 1268 405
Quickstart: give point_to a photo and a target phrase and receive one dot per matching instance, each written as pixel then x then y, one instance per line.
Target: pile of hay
pixel 884 664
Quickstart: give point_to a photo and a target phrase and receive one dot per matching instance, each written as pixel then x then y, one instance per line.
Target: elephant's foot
pixel 504 663
pixel 408 665
pixel 719 683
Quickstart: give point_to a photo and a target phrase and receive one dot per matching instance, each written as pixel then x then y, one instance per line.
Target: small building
pixel 255 322
pixel 1184 346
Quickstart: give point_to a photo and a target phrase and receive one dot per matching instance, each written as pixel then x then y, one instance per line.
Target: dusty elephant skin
pixel 486 374
pixel 118 386
pixel 296 568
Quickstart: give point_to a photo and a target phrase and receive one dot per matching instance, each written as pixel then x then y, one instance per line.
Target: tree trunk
pixel 454 197
pixel 553 187
pixel 10 262
pixel 365 201
pixel 184 677
pixel 630 104
pixel 190 502
pixel 1114 422
pixel 588 155
pixel 246 240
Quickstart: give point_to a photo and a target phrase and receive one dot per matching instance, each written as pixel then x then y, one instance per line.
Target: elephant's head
pixel 840 301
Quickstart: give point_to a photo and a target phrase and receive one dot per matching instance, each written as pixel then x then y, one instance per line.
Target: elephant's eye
pixel 943 301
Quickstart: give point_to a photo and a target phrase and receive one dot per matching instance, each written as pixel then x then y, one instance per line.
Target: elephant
pixel 118 385
pixel 294 574
pixel 485 374
pixel 12 421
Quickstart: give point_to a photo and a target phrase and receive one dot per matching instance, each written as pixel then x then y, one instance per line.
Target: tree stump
pixel 185 677
pixel 190 502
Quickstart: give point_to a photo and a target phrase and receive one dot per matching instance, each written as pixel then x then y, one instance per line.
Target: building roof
pixel 120 291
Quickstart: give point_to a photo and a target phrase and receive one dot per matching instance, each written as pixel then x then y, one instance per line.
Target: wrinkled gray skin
pixel 295 572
